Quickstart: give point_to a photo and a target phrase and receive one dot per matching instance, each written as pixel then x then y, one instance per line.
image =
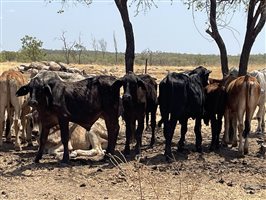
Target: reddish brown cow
pixel 243 95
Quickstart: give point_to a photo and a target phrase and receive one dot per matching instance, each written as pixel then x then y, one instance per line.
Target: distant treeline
pixel 152 58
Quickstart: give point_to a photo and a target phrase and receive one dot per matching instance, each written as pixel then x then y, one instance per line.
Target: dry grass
pixel 156 71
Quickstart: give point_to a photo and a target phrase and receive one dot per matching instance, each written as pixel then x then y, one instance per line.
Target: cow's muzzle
pixel 33 103
pixel 126 98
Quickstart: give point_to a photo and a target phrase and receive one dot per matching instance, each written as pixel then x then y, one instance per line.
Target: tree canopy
pixel 31 48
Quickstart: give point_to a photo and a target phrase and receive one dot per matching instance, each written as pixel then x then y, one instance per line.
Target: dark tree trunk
pixel 244 57
pixel 214 33
pixel 255 23
pixel 130 45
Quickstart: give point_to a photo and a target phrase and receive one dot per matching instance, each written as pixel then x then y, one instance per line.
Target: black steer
pixel 81 102
pixel 214 110
pixel 181 96
pixel 139 98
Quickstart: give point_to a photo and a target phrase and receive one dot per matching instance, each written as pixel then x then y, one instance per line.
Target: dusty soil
pixel 210 175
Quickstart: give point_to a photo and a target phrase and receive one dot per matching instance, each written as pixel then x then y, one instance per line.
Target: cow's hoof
pixel 8 141
pixel 38 158
pixel 30 144
pixel 18 148
pixel 152 143
pixel 23 142
pixel 224 144
pixel 217 147
pixel 234 144
pixel 169 158
pixel 245 151
pixel 180 147
pixel 212 147
pixel 64 162
pixel 199 149
pixel 137 151
pixel 126 152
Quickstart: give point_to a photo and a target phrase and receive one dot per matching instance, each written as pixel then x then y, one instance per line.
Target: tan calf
pixel 243 95
pixel 10 82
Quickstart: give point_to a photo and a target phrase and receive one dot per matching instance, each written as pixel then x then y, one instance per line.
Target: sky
pixel 167 28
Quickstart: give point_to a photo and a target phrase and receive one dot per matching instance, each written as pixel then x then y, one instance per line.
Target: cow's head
pixel 203 73
pixel 33 126
pixel 134 89
pixel 39 90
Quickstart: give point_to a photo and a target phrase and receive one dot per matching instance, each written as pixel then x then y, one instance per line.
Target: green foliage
pixel 158 58
pixel 31 48
pixel 8 56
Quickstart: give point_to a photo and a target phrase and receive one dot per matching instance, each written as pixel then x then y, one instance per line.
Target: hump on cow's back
pixel 177 76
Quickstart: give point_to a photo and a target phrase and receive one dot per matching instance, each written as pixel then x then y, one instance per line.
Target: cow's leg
pixel 234 127
pixel 139 132
pixel 112 126
pixel 2 122
pixel 249 114
pixel 262 121
pixel 260 118
pixel 226 127
pixel 197 130
pixel 160 123
pixel 214 127
pixel 147 120
pixel 153 125
pixel 9 122
pixel 183 134
pixel 95 144
pixel 246 134
pixel 17 124
pixel 26 135
pixel 64 130
pixel 130 132
pixel 240 133
pixel 219 128
pixel 169 126
pixel 43 139
pixel 56 150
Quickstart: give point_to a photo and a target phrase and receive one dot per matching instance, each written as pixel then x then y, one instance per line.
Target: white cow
pixel 261 77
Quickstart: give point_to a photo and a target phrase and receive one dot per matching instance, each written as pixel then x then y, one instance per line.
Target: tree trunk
pixel 255 23
pixel 130 46
pixel 214 33
pixel 244 57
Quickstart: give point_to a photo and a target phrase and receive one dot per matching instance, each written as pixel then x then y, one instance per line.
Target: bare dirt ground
pixel 210 175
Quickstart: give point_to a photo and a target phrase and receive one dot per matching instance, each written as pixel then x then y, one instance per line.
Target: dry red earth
pixel 210 175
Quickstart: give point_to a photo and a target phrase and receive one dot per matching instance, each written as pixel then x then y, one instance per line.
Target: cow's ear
pixel 24 90
pixel 207 72
pixel 141 84
pixel 117 84
pixel 48 94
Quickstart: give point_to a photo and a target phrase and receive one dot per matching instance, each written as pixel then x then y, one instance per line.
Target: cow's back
pixel 176 93
pixel 239 90
pixel 151 88
pixel 196 97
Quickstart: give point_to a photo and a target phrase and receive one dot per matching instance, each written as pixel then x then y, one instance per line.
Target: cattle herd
pixel 65 109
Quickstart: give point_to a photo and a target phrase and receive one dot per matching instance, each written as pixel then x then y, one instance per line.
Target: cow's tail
pixel 248 110
pixel 8 107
